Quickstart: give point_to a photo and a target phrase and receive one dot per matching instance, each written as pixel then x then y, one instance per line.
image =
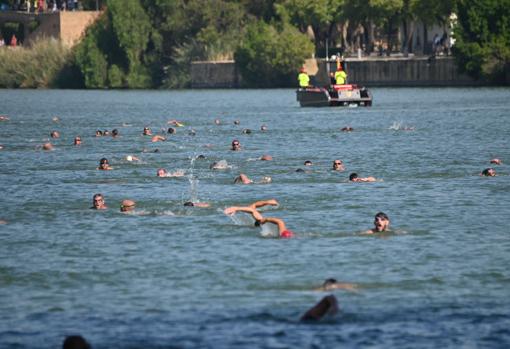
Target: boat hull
pixel 334 96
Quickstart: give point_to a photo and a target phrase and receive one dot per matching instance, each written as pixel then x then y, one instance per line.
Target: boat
pixel 334 96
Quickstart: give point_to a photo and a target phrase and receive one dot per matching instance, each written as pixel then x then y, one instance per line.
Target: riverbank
pixel 369 71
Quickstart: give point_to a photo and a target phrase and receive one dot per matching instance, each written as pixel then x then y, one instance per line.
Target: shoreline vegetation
pixel 151 44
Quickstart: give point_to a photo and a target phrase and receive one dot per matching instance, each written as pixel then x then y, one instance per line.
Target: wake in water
pixel 399 126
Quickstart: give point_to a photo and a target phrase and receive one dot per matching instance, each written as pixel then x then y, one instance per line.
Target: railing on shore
pixel 368 71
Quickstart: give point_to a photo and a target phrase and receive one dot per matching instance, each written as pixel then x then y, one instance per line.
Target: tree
pixel 269 57
pixel 482 33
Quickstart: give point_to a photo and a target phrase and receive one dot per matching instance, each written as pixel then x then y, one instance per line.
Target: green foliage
pixel 482 48
pixel 35 67
pixel 268 57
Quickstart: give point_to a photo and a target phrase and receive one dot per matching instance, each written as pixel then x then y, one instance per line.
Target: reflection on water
pixel 193 277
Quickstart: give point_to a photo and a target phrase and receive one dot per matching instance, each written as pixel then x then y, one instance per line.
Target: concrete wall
pixel 440 71
pixel 222 74
pixel 74 23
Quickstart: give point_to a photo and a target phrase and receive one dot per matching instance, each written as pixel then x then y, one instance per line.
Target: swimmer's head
pixel 329 281
pixel 246 131
pixel 129 158
pixel 236 145
pixel 99 133
pixel 300 170
pixel 489 172
pixel 353 176
pixel 192 132
pixel 189 203
pixel 55 134
pixel 263 128
pixel 308 163
pixel 115 132
pixel 266 157
pixel 201 157
pixel 127 205
pixel 162 172
pixel 381 222
pixel 77 140
pixel 171 130
pixel 237 122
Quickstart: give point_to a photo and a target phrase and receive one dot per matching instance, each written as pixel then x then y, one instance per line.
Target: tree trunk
pixel 390 29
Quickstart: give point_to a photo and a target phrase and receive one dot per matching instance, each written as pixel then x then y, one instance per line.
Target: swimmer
pixel 353 177
pixel 283 232
pixel 381 224
pixel 77 140
pixel 98 202
pixel 75 342
pixel 115 133
pixel 48 146
pixel 192 132
pixel 106 133
pixel 328 306
pixel 242 178
pixel 197 204
pixel 104 165
pixel 332 284
pixel 219 165
pixel 2 221
pixel 338 165
pixel 127 205
pixel 4 118
pixel 175 123
pixel 161 172
pixel 217 122
pixel 171 130
pixel 131 158
pixel 496 161
pixel 246 131
pixel 346 129
pixel 158 138
pixel 237 122
pixel 263 128
pixel 147 131
pixel 236 145
pixel 99 133
pixel 307 163
pixel 488 172
pixel 266 158
pixel 55 134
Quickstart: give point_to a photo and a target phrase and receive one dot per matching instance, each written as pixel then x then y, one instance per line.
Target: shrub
pixel 269 57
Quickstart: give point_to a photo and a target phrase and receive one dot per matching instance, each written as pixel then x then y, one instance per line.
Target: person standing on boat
pixel 340 76
pixel 303 78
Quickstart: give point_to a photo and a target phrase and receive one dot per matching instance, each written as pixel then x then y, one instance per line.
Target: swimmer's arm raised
pixel 233 209
pixel 261 203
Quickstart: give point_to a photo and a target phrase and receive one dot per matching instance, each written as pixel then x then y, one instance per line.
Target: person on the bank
pixel 303 78
pixel 340 76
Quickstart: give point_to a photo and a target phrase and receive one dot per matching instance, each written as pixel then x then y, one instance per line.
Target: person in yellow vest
pixel 303 78
pixel 340 76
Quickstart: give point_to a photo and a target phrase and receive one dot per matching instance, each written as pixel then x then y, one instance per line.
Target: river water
pixel 170 276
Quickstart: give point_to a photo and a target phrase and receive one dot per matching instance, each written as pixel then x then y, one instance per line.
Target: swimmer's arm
pixel 255 214
pixel 262 203
pixel 280 223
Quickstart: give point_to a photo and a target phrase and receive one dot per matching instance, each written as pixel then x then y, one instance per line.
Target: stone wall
pixel 68 26
pixel 422 71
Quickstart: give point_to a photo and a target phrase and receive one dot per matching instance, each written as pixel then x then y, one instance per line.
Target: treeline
pixel 151 43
